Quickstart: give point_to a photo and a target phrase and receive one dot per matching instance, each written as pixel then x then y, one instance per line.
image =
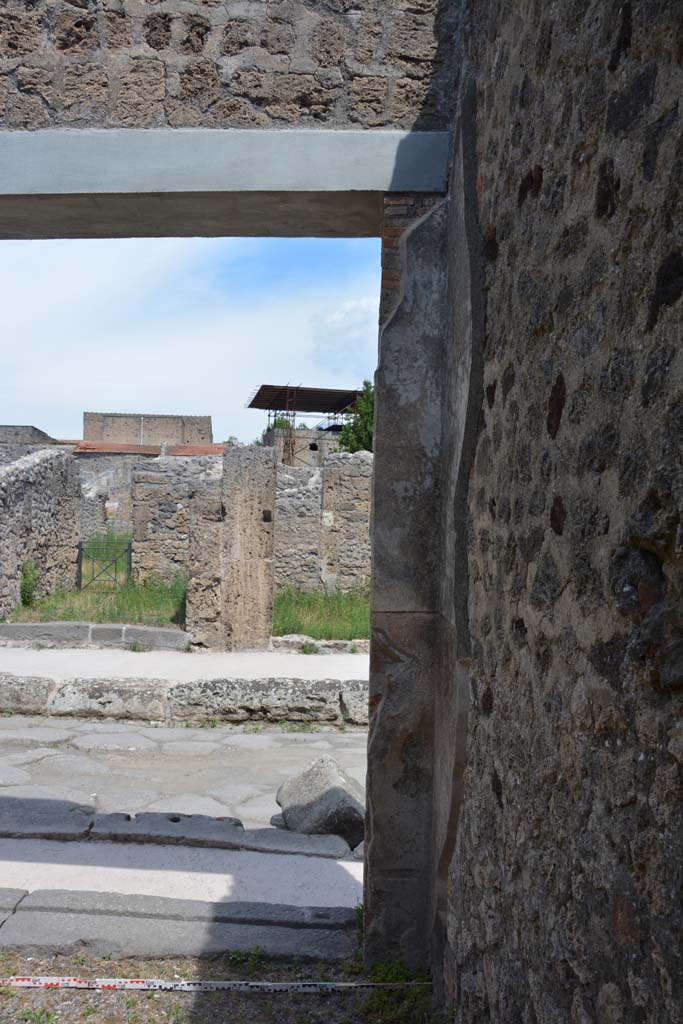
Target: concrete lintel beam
pixel 132 161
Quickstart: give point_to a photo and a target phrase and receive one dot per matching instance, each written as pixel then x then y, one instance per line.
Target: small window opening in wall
pixel 267 515
pixel 313 447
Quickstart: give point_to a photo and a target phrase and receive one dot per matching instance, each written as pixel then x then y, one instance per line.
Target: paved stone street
pixel 136 767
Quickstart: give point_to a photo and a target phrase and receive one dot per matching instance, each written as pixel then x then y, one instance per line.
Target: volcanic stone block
pixel 324 800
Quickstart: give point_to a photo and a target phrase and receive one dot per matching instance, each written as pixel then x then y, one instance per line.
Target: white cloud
pixel 150 325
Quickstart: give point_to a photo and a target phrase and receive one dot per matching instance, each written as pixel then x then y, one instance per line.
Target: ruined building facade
pixel 525 756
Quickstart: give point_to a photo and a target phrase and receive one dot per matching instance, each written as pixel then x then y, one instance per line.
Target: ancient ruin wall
pixel 311 447
pixel 107 489
pixel 161 496
pixel 322 524
pixel 129 428
pixel 39 511
pixel 298 512
pixel 566 886
pixel 345 521
pixel 137 64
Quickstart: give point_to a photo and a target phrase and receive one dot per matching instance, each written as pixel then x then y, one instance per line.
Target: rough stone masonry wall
pixel 107 488
pixel 39 507
pixel 136 64
pixel 345 521
pixel 298 512
pixel 565 892
pixel 163 490
pixel 322 524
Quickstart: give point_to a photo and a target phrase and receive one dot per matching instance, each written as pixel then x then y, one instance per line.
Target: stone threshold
pixel 92 634
pixel 332 702
pixel 45 819
pixel 49 922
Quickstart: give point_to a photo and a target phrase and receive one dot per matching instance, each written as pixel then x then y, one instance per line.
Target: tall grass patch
pixel 154 602
pixel 322 615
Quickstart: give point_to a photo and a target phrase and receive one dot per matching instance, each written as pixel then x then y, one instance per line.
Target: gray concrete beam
pixel 178 182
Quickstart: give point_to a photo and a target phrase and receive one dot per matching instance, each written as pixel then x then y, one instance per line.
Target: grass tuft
pixel 322 615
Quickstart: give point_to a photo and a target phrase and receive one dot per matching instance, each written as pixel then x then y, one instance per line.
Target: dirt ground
pixel 74 1007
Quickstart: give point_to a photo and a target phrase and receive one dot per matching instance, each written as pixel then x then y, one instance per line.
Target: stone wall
pixel 107 489
pixel 138 64
pixel 566 886
pixel 161 495
pixel 322 524
pixel 345 552
pixel 39 508
pixel 298 513
pixel 310 448
pixel 13 434
pixel 249 484
pixel 144 428
pixel 12 452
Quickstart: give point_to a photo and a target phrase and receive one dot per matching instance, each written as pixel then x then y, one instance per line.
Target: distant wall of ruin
pixel 142 428
pixel 137 64
pixel 162 490
pixel 39 516
pixel 322 524
pixel 17 434
pixel 107 493
pixel 309 448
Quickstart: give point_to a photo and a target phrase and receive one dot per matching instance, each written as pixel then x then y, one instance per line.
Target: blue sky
pixel 180 325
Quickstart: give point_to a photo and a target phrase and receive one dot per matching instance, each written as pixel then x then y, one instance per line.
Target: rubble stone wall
pixel 311 447
pixel 322 524
pixel 39 515
pixel 12 451
pixel 565 891
pixel 298 513
pixel 107 487
pixel 345 523
pixel 162 491
pixel 139 64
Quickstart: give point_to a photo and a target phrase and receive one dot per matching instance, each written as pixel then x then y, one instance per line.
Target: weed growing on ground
pixel 41 1016
pixel 322 615
pixel 29 584
pixel 403 1006
pixel 154 602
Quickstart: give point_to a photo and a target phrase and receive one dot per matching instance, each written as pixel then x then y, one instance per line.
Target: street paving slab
pixel 48 922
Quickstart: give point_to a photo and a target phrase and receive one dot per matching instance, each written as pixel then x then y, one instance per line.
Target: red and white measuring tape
pixel 158 985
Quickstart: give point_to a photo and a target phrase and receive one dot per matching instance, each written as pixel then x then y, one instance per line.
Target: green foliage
pixel 356 436
pixel 402 1006
pixel 154 602
pixel 29 583
pixel 41 1016
pixel 322 615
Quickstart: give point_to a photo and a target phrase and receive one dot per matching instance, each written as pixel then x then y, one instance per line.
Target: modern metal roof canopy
pixel 289 398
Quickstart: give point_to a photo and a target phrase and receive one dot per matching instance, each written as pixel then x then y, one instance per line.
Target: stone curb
pixel 44 819
pixel 46 922
pixel 218 833
pixel 323 701
pixel 299 644
pixel 91 634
